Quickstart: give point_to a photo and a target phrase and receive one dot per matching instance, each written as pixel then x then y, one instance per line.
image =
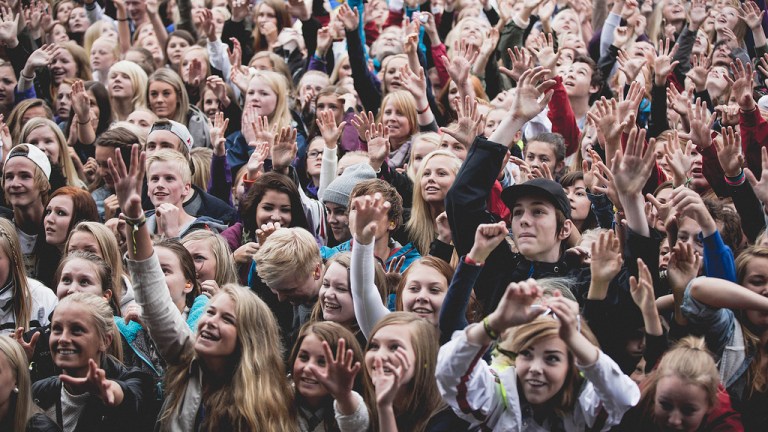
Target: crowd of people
pixel 393 215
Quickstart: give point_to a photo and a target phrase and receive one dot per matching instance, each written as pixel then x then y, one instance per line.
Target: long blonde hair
pixel 64 161
pixel 225 265
pixel 757 374
pixel 256 395
pixel 423 397
pixel 110 252
pixel 281 116
pixel 421 225
pixel 22 297
pixel 20 407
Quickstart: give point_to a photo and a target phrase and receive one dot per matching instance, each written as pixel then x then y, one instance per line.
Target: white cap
pixel 34 154
pixel 177 129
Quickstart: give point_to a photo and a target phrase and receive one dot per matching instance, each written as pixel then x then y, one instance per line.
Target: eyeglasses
pixel 314 154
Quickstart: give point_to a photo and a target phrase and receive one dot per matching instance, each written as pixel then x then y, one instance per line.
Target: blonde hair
pixel 256 396
pixel 421 225
pixel 110 252
pixel 385 90
pixel 200 157
pixel 206 64
pixel 102 317
pixel 287 253
pixel 405 103
pixel 139 81
pixel 281 116
pixel 225 265
pixel 64 161
pixel 22 297
pixel 20 407
pixel 168 76
pixel 175 158
pixel 426 137
pixel 526 335
pixel 337 67
pixel 689 361
pixel 422 398
pixel 757 373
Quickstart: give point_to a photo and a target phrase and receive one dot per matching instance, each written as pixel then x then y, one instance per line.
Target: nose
pixel 275 217
pixel 675 419
pixel 535 367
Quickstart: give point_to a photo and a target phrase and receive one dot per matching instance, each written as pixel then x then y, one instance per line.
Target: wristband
pixel 85 122
pixel 736 181
pixel 135 223
pixel 122 19
pixel 470 261
pixel 688 182
pixel 422 111
pixel 488 330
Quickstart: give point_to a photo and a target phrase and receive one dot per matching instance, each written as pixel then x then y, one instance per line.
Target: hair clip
pixel 546 312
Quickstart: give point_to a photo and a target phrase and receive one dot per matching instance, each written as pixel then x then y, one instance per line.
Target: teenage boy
pixel 117 138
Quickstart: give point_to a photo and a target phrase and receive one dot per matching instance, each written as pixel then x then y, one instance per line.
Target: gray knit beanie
pixel 339 189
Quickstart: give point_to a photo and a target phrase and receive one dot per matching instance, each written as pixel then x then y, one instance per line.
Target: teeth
pixel 332 306
pixel 422 311
pixel 66 352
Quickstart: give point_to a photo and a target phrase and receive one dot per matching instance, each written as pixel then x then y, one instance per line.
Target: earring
pixel 16 390
pixel 189 285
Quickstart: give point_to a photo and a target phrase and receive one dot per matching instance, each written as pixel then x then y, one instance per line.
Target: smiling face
pixel 534 226
pixel 19 182
pixel 205 261
pixel 163 100
pixel 217 329
pixel 274 207
pixel 436 179
pixel 335 295
pixel 210 104
pixel 424 292
pixel 63 66
pixel 79 275
pixel 176 47
pixel 541 369
pixel 756 280
pixel 74 339
pixel 58 216
pixel 262 97
pixel 338 220
pixel 45 139
pixel 383 345
pixel 310 353
pixel 165 184
pixel 396 121
pixel 679 405
pixel 84 241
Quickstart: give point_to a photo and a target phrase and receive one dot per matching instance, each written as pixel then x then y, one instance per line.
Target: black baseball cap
pixel 549 189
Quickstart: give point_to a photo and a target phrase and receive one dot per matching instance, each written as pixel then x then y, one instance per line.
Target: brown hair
pixel 387 191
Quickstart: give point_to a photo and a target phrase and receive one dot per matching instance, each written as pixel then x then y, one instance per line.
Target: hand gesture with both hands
pixel 515 307
pixel 326 124
pixel 96 382
pixel 730 154
pixel 365 211
pixel 470 121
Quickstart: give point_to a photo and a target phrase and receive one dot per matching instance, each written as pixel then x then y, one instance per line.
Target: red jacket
pixel 562 117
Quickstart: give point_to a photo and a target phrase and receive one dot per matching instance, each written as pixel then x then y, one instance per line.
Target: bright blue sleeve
pixel 718 258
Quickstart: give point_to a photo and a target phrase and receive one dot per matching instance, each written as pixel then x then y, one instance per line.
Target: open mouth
pixel 65 352
pixel 331 306
pixel 422 311
pixel 207 335
pixel 535 383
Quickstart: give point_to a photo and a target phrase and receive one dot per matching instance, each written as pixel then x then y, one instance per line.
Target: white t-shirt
pixel 43 302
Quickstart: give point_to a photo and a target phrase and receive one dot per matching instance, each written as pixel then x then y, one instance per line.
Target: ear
pixel 187 189
pixel 391 226
pixel 188 287
pixel 108 295
pixel 106 344
pixel 566 231
pixel 559 167
pixel 318 273
pixel 594 89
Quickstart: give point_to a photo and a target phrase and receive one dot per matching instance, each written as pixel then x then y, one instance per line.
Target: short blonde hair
pixel 175 158
pixel 287 253
pixel 201 157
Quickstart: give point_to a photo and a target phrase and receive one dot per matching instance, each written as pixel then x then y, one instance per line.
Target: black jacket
pixel 134 414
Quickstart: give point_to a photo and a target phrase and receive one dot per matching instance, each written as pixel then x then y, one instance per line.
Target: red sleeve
pixel 562 117
pixel 437 53
pixel 723 417
pixel 395 18
pixel 371 32
pixel 754 135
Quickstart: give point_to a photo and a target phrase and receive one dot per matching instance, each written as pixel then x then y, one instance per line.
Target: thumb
pixel 750 177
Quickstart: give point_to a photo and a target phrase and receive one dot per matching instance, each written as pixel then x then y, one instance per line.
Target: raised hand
pixel 632 167
pixel 349 17
pixel 698 73
pixel 240 9
pixel 621 36
pixel 606 259
pixel 688 203
pixel 219 88
pixel 128 183
pixel 378 144
pixel 338 376
pixel 41 57
pixel 28 347
pixel 458 67
pixel 364 214
pixel 533 93
pixel 698 14
pixel 443 228
pixel 521 62
pixel 627 108
pixel 630 66
pixel 266 230
pixel 730 155
pixel 326 123
pixel 167 216
pixel 515 307
pixel 235 54
pixel 299 9
pixel 362 123
pixel 684 265
pixel 240 77
pixel 324 40
pixel 678 158
pixel 96 382
pixel 567 312
pixel 487 238
pixel 728 115
pixel 414 83
pixel 760 187
pixel 387 384
pixel 470 121
pixel 663 64
pixel 546 53
pixel 9 26
pixel 218 131
pixel 751 14
pixel 701 122
pixel 742 85
pixel 284 149
pixel 81 103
